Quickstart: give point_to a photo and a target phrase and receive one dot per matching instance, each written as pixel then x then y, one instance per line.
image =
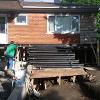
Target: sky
pixel 40 0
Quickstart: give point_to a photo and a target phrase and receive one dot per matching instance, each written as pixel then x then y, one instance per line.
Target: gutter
pixel 51 7
pixel 39 7
pixel 82 7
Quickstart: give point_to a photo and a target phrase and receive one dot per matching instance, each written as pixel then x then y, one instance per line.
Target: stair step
pixel 50 54
pixel 31 51
pixel 59 66
pixel 47 46
pixel 50 64
pixel 67 62
pixel 51 58
pixel 54 60
pixel 77 65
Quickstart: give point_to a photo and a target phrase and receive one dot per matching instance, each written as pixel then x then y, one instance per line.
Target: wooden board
pixel 57 72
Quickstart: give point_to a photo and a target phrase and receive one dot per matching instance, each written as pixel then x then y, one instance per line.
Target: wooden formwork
pixel 49 73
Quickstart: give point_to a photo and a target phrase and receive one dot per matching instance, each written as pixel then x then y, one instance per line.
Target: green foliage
pixel 98 25
pixel 87 2
pixel 98 20
pixel 98 36
pixel 81 2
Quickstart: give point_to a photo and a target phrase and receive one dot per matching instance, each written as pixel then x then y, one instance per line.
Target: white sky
pixel 40 0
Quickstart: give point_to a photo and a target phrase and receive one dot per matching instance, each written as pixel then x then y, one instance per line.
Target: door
pixel 3 33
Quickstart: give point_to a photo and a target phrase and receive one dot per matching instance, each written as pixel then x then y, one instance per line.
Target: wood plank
pixel 57 73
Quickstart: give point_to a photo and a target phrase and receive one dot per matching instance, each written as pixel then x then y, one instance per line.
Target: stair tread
pixel 56 54
pixel 72 60
pixel 52 58
pixel 52 62
pixel 58 66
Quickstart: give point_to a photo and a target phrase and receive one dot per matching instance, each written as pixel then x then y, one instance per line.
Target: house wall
pixel 36 31
pixel 88 28
pixel 88 22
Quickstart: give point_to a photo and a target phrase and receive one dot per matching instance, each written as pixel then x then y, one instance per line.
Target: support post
pixel 74 79
pixel 45 85
pixel 59 80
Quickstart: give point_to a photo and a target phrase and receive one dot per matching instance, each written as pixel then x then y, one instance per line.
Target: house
pixel 7 7
pixel 49 23
pixel 45 24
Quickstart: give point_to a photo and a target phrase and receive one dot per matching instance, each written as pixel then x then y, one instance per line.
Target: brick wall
pixel 36 32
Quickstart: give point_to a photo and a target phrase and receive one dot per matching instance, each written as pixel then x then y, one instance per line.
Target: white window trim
pixel 16 23
pixel 71 32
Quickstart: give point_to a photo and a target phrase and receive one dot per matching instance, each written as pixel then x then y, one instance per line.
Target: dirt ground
pixel 67 91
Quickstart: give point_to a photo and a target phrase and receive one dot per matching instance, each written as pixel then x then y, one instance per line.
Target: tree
pixel 98 25
pixel 89 2
pixel 82 2
pixel 98 36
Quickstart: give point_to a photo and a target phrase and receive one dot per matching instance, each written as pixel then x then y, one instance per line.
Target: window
pixel 63 24
pixel 21 19
pixel 2 24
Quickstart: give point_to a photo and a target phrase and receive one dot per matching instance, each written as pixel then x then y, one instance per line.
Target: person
pixel 10 54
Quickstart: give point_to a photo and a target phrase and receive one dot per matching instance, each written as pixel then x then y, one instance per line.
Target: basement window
pixel 63 24
pixel 21 19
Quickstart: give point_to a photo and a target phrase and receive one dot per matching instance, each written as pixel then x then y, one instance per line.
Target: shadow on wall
pixel 11 17
pixel 67 38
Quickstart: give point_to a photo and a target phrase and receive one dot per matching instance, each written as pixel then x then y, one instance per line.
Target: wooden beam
pixel 73 79
pixel 57 73
pixel 59 80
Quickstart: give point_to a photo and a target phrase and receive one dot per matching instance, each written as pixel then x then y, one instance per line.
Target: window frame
pixel 71 32
pixel 17 23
